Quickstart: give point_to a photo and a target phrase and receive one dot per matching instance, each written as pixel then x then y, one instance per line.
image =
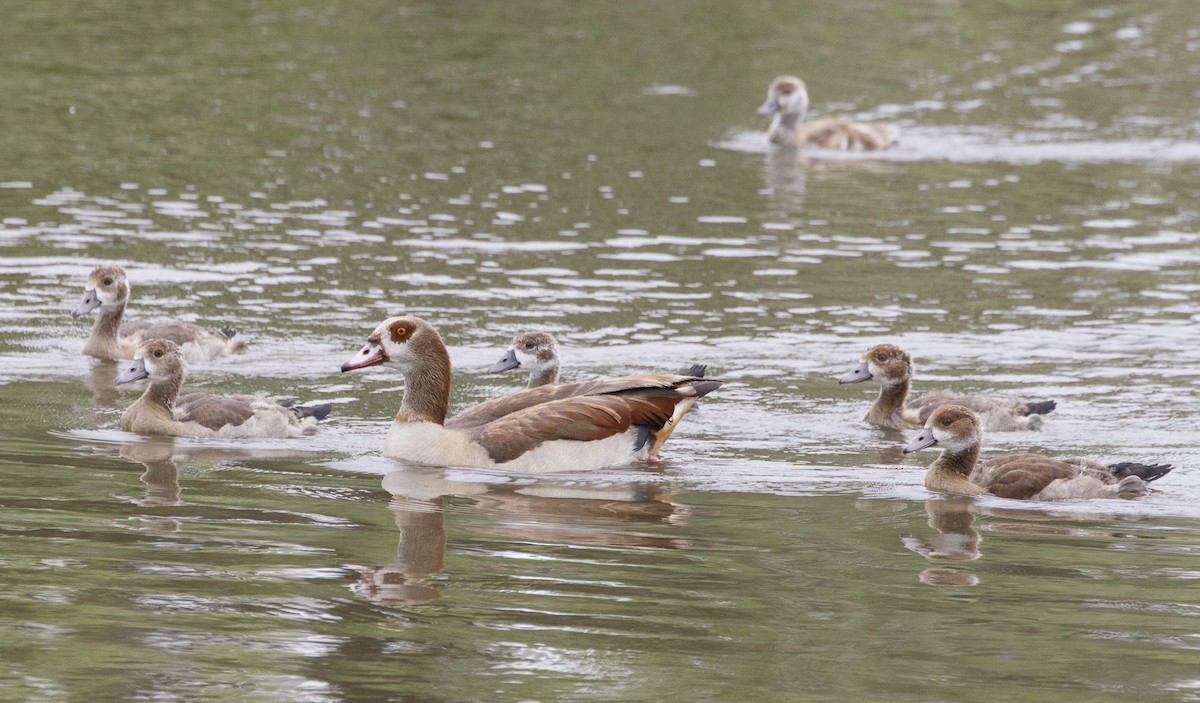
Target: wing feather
pixel 496 408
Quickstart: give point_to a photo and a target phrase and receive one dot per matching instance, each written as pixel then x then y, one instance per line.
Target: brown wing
pixel 213 411
pixel 179 332
pixel 496 408
pixel 585 418
pixel 1020 476
pixel 926 404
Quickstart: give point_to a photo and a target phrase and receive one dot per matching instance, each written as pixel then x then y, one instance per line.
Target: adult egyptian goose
pixel 538 352
pixel 787 105
pixel 956 430
pixel 107 289
pixel 573 427
pixel 892 368
pixel 163 411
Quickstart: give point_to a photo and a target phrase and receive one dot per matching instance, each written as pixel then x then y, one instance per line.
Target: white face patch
pixel 527 360
pixel 107 296
pixel 951 441
pixel 152 368
pixel 399 354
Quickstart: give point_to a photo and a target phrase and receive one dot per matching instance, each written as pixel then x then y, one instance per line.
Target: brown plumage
pixel 107 290
pixel 957 431
pixel 787 105
pixel 562 426
pixel 892 368
pixel 163 411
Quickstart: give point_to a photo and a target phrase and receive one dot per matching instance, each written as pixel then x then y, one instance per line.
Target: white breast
pixel 429 443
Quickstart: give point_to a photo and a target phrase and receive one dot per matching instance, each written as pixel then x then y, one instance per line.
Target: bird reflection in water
pixel 956 541
pixel 543 509
pixel 99 380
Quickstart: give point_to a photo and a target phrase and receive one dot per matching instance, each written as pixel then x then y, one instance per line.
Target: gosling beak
pixel 923 440
pixel 858 375
pixel 506 363
pixel 372 354
pixel 91 301
pixel 770 107
pixel 135 371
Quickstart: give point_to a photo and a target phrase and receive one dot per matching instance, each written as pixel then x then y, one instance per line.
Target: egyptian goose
pixel 108 290
pixel 956 430
pixel 892 368
pixel 577 426
pixel 787 105
pixel 162 411
pixel 538 352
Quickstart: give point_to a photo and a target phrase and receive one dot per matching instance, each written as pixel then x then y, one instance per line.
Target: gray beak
pixel 91 301
pixel 858 375
pixel 770 107
pixel 923 440
pixel 506 363
pixel 135 371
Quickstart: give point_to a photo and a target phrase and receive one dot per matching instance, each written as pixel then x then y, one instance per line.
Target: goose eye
pixel 945 422
pixel 881 357
pixel 158 353
pixel 529 345
pixel 108 281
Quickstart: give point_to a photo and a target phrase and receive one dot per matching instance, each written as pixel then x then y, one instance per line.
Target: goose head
pixel 952 428
pixel 106 288
pixel 157 359
pixel 786 95
pixel 536 352
pixel 886 364
pixel 401 343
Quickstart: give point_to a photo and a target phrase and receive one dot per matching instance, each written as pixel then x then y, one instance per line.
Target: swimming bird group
pixel 576 426
pixel 591 424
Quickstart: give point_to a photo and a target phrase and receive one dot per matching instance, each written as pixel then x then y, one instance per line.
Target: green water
pixel 597 170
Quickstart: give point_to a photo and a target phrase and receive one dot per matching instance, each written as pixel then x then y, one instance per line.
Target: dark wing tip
pixel 1041 407
pixel 319 412
pixel 229 332
pixel 1146 472
pixel 696 370
pixel 706 386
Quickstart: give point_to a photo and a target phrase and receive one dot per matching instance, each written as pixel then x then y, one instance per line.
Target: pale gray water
pixel 302 173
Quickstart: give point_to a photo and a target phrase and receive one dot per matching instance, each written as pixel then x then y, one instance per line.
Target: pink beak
pixel 372 354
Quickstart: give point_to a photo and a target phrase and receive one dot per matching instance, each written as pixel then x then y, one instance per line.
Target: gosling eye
pixel 946 422
pixel 108 281
pixel 529 345
pixel 158 353
pixel 881 357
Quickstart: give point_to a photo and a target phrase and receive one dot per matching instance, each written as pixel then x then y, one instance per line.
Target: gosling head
pixel 106 288
pixel 786 95
pixel 886 364
pixel 952 428
pixel 536 352
pixel 156 359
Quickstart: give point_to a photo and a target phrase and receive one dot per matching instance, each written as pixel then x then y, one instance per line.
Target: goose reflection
pixel 161 476
pixel 99 380
pixel 787 172
pixel 956 540
pixel 571 510
pixel 161 457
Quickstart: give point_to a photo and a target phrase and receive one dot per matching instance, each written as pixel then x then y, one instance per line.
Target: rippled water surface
pixel 301 172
